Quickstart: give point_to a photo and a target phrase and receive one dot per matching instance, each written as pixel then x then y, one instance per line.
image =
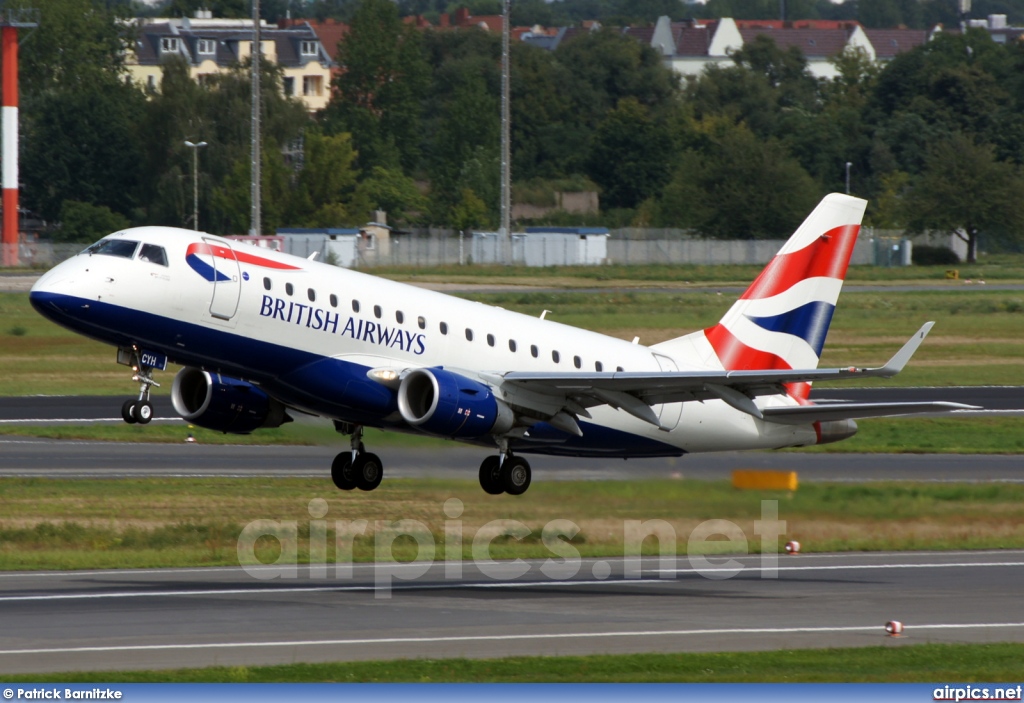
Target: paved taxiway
pixel 70 459
pixel 200 617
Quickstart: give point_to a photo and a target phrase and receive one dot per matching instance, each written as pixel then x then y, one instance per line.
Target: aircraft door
pixel 227 286
pixel 668 413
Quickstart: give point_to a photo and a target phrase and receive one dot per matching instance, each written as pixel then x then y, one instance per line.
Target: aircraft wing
pixel 636 392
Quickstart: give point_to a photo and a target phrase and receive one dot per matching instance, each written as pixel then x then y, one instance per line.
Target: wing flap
pixel 805 414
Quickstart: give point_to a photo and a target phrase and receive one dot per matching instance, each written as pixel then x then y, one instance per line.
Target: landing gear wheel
pixel 128 412
pixel 368 471
pixel 515 475
pixel 143 412
pixel 341 472
pixel 490 476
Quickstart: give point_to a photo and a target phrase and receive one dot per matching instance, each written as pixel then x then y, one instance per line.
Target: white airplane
pixel 260 332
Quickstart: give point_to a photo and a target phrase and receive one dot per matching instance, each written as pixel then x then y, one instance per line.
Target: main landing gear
pixel 356 468
pixel 505 473
pixel 140 410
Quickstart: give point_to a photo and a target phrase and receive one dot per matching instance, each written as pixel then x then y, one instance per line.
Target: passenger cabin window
pixel 153 254
pixel 289 288
pixel 534 352
pixel 266 283
pixel 114 247
pixel 469 334
pixel 399 316
pixel 355 306
pixel 555 356
pixel 422 322
pixel 577 362
pixel 311 294
pixel 619 368
pixel 490 340
pixel 511 345
pixel 334 300
pixel 443 327
pixel 377 312
pixel 598 366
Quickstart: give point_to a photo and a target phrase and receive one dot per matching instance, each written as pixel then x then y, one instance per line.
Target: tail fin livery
pixel 780 322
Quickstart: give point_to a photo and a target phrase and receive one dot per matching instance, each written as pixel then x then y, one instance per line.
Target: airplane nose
pixel 47 293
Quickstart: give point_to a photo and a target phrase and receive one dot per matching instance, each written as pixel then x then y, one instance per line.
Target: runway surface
pixel 200 617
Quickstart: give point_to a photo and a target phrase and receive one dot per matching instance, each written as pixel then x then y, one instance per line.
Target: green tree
pixel 965 190
pixel 608 67
pixel 737 187
pixel 392 191
pixel 83 145
pixel 219 8
pixel 469 211
pixel 631 156
pixel 466 146
pixel 378 95
pixel 77 43
pixel 84 222
pixel 217 112
pixel 326 183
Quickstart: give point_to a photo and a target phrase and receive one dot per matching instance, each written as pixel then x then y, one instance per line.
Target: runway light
pixel 792 547
pixel 894 628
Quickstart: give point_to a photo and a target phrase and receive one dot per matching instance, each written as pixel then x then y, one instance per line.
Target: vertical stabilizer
pixel 781 321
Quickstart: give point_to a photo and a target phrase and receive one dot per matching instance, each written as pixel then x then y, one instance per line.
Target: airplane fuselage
pixel 310 334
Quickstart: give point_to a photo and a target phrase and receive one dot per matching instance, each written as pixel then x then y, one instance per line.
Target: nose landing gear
pixel 140 410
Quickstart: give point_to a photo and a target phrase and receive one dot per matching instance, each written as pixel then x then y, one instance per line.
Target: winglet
pixel 900 358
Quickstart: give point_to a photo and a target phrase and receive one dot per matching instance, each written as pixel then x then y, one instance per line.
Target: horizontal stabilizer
pixel 804 414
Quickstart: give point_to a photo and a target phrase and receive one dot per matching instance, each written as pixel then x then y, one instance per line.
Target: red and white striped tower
pixel 10 20
pixel 9 52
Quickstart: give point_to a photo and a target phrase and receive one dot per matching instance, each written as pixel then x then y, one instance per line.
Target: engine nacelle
pixel 836 431
pixel 224 404
pixel 450 405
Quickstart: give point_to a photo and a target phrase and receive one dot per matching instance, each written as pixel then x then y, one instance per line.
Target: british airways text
pixel 319 319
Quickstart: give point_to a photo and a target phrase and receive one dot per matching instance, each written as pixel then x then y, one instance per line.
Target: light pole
pixel 196 147
pixel 848 165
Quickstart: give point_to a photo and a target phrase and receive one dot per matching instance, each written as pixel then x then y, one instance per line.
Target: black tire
pixel 128 412
pixel 368 471
pixel 143 412
pixel 516 475
pixel 341 472
pixel 490 476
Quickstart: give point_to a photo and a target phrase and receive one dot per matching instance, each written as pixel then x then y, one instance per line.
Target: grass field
pixel 164 522
pixel 994 663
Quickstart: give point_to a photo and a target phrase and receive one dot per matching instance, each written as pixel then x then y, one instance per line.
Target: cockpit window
pixel 153 254
pixel 114 247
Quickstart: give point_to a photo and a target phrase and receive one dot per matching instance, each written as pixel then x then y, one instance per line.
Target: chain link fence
pixel 437 247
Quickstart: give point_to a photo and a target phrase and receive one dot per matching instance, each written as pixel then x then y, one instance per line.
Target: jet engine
pixel 224 404
pixel 450 405
pixel 836 431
